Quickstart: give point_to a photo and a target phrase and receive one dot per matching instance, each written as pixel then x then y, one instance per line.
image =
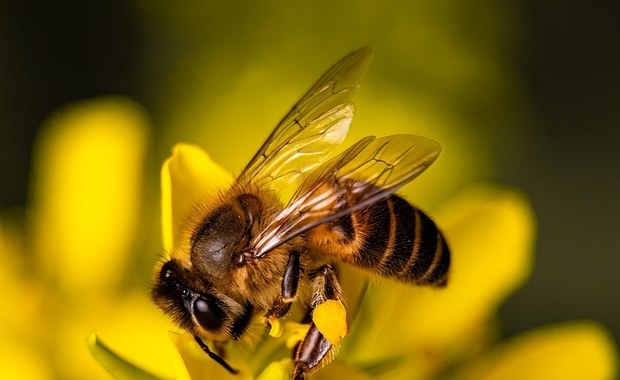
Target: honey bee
pixel 249 254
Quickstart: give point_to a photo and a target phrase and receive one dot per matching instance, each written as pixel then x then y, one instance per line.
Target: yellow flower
pixel 401 332
pixel 69 272
pixel 68 277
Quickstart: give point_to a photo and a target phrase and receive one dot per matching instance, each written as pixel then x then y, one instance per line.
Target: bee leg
pixel 290 281
pixel 215 356
pixel 315 351
pixel 325 285
pixel 310 353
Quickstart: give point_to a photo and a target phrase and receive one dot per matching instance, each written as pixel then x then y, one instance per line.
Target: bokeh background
pixel 524 93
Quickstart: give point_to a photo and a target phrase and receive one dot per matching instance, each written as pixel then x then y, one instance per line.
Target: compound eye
pixel 208 313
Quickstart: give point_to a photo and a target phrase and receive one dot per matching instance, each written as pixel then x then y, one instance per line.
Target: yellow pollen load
pixel 330 318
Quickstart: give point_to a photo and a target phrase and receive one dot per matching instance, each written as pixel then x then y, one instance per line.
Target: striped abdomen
pixel 390 238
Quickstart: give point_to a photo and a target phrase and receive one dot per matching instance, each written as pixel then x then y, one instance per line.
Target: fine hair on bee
pixel 246 255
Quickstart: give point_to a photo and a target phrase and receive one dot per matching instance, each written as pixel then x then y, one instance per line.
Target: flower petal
pixel 276 327
pixel 490 231
pixel 338 370
pixel 280 370
pixel 87 190
pixel 17 321
pixel 575 350
pixel 19 360
pixel 296 332
pixel 131 325
pixel 117 366
pixel 139 331
pixel 188 177
pixel 200 366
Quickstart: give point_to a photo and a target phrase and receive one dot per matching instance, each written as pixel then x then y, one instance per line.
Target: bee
pixel 249 254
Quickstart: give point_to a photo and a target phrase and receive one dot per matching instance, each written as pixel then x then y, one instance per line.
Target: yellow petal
pixel 490 231
pixel 13 285
pixel 178 364
pixel 330 318
pixel 280 370
pixel 113 363
pixel 575 350
pixel 131 326
pixel 138 331
pixel 338 370
pixel 188 177
pixel 19 361
pixel 200 366
pixel 21 355
pixel 87 191
pixel 276 327
pixel 295 333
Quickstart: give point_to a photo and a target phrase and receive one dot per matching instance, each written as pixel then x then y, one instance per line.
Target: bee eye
pixel 166 272
pixel 208 313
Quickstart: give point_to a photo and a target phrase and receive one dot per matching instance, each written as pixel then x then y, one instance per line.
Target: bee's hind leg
pixel 314 351
pixel 325 285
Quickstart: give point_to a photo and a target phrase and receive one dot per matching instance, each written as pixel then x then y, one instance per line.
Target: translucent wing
pixel 367 172
pixel 315 125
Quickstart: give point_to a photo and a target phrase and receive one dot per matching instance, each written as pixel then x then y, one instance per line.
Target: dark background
pixel 567 159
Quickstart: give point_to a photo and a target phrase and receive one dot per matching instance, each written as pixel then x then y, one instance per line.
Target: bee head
pixel 195 305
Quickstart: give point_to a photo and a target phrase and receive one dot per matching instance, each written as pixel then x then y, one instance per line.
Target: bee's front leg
pixel 290 281
pixel 315 351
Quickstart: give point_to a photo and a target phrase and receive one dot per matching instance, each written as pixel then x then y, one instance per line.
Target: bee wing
pixel 315 125
pixel 367 172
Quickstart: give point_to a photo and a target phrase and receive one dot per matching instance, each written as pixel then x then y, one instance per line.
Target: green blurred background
pixel 525 93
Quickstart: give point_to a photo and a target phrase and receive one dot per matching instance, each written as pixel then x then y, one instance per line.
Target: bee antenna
pixel 215 356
